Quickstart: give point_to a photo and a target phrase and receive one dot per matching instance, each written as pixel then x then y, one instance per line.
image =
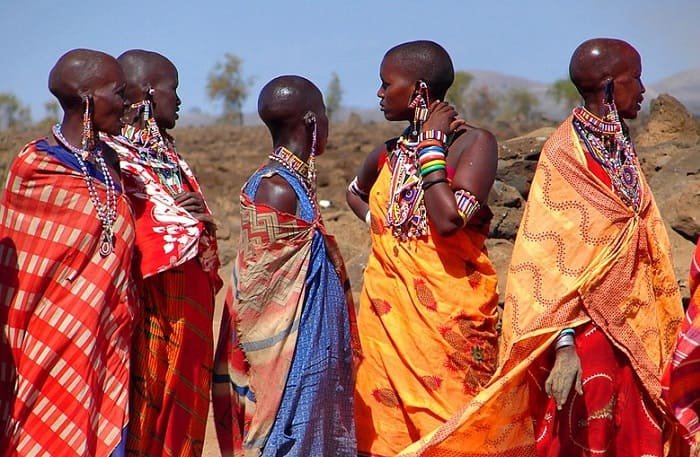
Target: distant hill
pixel 685 86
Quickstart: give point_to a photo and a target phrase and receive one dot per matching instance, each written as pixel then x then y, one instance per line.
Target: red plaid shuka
pixel 65 311
pixel 682 377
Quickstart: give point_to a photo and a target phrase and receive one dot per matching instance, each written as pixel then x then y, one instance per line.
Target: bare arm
pixel 366 177
pixel 473 155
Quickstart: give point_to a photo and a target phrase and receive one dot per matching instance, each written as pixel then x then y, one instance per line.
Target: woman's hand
pixel 442 116
pixel 566 371
pixel 194 204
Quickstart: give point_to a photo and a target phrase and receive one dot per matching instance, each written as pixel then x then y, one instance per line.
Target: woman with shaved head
pixel 427 315
pixel 177 268
pixel 66 243
pixel 283 381
pixel 592 306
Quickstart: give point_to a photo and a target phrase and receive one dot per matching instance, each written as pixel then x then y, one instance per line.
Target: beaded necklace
pixel 406 213
pixel 299 168
pixel 158 156
pixel 106 212
pixel 613 150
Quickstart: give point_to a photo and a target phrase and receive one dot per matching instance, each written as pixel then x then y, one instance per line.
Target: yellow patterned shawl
pixel 581 254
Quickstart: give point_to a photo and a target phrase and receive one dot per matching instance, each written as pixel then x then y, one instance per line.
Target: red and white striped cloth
pixel 66 313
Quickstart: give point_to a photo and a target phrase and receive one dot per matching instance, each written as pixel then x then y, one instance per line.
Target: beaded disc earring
pixel 88 137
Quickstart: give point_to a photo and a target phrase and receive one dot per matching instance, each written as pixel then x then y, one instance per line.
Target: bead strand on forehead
pixel 106 212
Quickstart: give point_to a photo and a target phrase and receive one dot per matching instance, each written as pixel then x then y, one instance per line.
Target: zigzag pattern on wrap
pixel 583 226
pixel 262 227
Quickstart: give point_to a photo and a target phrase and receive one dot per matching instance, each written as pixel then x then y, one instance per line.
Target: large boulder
pixel 517 159
pixel 676 188
pixel 669 121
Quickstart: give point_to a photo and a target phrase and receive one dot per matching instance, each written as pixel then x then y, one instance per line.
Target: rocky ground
pixel 668 144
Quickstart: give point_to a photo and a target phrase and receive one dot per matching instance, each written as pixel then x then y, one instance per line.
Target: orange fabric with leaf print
pixel 427 323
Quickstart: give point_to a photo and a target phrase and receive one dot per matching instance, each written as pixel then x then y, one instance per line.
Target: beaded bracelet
pixel 430 147
pixel 428 184
pixel 463 217
pixel 467 203
pixel 431 150
pixel 354 188
pixel 429 157
pixel 565 339
pixel 433 135
pixel 432 166
pixel 426 143
pixel 427 170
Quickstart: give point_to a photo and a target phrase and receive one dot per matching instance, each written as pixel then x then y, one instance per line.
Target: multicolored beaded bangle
pixel 433 135
pixel 354 188
pixel 464 217
pixel 429 157
pixel 467 203
pixel 429 169
pixel 427 143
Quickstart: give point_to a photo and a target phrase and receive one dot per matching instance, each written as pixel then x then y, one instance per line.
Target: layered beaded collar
pixel 293 163
pixel 608 144
pixel 305 172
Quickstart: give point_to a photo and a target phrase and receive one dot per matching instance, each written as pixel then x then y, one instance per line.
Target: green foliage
pixel 334 95
pixel 563 92
pixel 12 113
pixel 226 83
pixel 457 95
pixel 520 105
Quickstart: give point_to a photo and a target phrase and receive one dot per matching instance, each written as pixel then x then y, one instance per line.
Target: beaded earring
pixel 153 135
pixel 311 118
pixel 609 101
pixel 420 104
pixel 88 137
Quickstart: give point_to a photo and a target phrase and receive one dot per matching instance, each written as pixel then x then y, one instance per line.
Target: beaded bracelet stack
pixel 431 152
pixel 565 339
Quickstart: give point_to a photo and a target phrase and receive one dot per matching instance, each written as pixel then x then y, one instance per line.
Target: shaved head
pixel 142 70
pixel 285 101
pixel 425 60
pixel 597 60
pixel 78 73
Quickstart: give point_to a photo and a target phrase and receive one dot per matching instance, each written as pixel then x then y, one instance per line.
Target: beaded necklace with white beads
pixel 106 212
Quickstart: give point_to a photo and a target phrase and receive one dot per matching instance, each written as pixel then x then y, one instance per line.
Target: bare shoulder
pixel 275 192
pixel 475 141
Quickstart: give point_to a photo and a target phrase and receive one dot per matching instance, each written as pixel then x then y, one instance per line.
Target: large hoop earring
pixel 88 138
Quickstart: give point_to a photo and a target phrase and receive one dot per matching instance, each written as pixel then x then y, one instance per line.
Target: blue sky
pixel 532 39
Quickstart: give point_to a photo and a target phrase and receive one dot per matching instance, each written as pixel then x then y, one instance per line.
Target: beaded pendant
pixel 107 211
pixel 406 213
